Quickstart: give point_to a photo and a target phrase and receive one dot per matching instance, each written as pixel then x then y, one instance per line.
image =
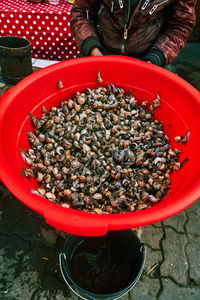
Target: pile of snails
pixel 101 152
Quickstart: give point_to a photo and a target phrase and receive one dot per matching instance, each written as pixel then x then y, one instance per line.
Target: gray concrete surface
pixel 29 248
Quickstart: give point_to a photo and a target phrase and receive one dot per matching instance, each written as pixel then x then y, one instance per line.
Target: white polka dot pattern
pixel 46 26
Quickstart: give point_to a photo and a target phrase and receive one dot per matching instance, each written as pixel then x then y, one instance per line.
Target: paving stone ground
pixel 29 248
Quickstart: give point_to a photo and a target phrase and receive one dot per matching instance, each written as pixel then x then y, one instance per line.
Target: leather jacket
pixel 155 25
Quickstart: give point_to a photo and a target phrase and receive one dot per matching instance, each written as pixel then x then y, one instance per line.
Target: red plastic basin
pixel 180 112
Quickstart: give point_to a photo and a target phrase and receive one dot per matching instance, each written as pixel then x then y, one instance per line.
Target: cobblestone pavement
pixel 29 248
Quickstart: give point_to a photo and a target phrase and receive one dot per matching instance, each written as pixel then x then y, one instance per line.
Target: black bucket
pixel 15 58
pixel 104 267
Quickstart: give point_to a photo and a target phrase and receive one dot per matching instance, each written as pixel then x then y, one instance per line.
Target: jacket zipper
pixel 156 6
pixel 129 24
pixel 121 5
pixel 145 5
pixel 100 10
pixel 87 14
pixel 112 7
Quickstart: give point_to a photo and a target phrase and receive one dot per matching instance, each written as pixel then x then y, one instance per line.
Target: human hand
pixel 95 52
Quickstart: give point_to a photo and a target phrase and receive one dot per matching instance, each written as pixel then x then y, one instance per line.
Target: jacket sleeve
pixel 179 25
pixel 83 16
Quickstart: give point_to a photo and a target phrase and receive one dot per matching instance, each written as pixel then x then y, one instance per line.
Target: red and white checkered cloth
pixel 46 26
